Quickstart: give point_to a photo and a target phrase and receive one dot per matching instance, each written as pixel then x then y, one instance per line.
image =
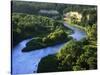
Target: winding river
pixel 27 63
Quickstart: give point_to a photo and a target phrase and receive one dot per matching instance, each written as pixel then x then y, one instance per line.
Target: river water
pixel 27 62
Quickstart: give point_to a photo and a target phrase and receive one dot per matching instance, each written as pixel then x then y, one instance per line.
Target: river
pixel 27 62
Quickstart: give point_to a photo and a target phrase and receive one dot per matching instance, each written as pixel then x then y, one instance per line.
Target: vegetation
pixel 73 56
pixel 56 37
pixel 77 55
pixel 48 66
pixel 46 31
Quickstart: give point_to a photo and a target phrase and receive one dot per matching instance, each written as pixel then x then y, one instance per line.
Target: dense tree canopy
pixel 46 30
pixel 73 56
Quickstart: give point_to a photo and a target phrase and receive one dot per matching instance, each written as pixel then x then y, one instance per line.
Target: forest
pixel 28 26
pixel 45 31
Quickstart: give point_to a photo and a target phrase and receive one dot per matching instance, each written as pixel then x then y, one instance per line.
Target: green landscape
pixel 43 23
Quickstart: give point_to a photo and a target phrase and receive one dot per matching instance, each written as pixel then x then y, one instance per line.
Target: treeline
pixel 78 8
pixel 46 31
pixel 35 7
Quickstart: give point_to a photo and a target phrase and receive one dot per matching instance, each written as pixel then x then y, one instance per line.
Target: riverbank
pixel 75 25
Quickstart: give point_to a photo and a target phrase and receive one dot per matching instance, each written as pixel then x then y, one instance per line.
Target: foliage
pixel 48 66
pixel 68 55
pixel 74 56
pixel 48 30
pixel 27 22
pixel 56 37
